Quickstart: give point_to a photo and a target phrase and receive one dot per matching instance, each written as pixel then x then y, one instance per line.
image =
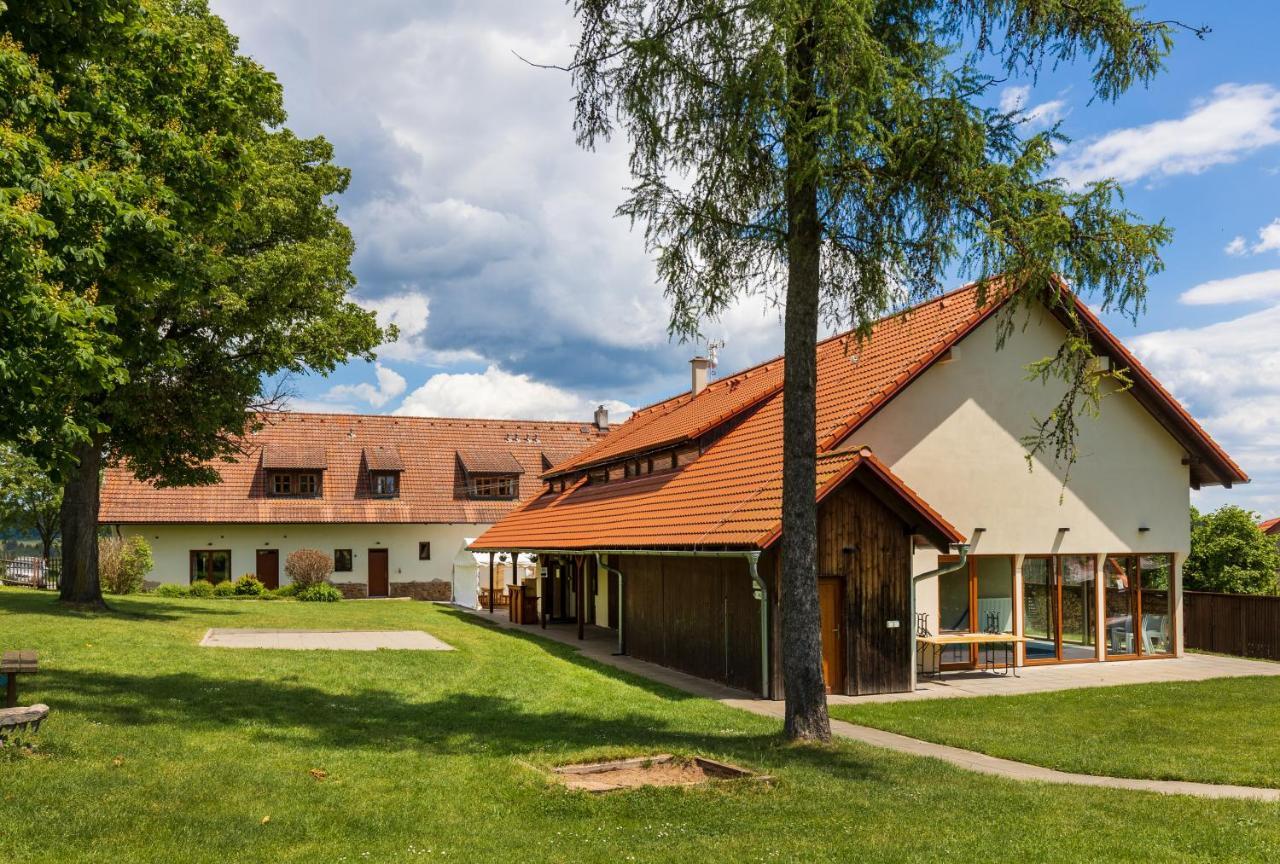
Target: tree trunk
pixel 806 699
pixel 80 527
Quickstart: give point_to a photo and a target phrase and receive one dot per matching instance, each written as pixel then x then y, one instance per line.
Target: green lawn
pixel 1222 731
pixel 159 750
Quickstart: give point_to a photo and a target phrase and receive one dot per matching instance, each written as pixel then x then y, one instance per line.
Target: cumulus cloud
pixel 1014 99
pixel 409 312
pixel 1237 247
pixel 1237 119
pixel 390 384
pixel 1263 285
pixel 1228 375
pixel 498 394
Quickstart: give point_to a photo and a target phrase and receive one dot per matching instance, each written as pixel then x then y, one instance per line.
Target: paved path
pixel 331 640
pixel 599 646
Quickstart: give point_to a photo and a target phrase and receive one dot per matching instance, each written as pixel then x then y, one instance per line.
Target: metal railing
pixel 31 571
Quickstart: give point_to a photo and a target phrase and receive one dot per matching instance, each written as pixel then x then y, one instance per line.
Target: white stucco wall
pixel 954 436
pixel 171 546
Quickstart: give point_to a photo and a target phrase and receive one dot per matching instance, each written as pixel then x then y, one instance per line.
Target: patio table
pixel 13 664
pixel 938 644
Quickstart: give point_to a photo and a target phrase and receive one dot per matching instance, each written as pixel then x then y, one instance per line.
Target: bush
pixel 308 567
pixel 200 588
pixel 225 588
pixel 168 589
pixel 321 592
pixel 249 586
pixel 289 589
pixel 123 563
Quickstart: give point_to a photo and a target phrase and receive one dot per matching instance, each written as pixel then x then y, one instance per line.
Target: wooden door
pixel 378 585
pixel 831 603
pixel 269 567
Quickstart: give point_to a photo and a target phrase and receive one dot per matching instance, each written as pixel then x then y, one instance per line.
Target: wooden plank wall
pixel 698 615
pixel 1244 625
pixel 877 576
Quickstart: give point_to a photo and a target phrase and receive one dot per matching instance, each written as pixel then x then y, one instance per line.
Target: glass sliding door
pixel 1059 599
pixel 1039 609
pixel 1139 607
pixel 1120 584
pixel 976 598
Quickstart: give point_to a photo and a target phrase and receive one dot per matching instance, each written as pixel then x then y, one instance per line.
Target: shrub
pixel 169 589
pixel 200 588
pixel 289 589
pixel 321 592
pixel 308 567
pixel 249 586
pixel 225 588
pixel 123 563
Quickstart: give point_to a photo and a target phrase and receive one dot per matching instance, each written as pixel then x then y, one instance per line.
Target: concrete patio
pixel 323 640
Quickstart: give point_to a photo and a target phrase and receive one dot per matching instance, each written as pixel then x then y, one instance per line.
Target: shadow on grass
pixel 454 724
pixel 29 601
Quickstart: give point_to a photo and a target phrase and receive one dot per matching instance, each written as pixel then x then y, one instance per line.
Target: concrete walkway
pixel 323 640
pixel 600 645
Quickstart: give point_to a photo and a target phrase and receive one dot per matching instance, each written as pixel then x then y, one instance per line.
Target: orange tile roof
pixel 489 462
pixel 432 488
pixel 383 457
pixel 1271 526
pixel 285 456
pixel 730 495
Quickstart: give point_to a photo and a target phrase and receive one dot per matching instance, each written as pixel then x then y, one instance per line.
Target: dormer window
pixel 293 471
pixel 385 484
pixel 491 475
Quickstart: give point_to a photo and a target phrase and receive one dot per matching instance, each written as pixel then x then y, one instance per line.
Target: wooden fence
pixel 31 571
pixel 1245 625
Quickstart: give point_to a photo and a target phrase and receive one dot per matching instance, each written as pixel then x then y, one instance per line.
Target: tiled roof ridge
pixel 463 422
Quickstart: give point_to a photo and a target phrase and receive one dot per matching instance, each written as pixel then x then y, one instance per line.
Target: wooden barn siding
pixel 698 615
pixel 1245 625
pixel 877 587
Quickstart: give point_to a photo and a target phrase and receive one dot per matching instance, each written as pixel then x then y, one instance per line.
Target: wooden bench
pixel 13 664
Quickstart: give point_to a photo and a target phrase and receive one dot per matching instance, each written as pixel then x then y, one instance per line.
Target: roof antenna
pixel 713 353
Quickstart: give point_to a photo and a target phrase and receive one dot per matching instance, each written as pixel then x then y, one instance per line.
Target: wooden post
pixel 490 583
pixel 582 597
pixel 515 582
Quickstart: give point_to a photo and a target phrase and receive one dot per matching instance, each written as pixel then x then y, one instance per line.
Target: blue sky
pixel 488 236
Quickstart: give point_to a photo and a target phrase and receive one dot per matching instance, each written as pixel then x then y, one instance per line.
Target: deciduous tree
pixel 841 157
pixel 178 240
pixel 29 499
pixel 1230 553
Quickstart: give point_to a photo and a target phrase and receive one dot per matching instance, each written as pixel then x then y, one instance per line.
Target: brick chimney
pixel 701 368
pixel 602 419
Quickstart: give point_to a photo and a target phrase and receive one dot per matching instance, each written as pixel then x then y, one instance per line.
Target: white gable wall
pixel 954 436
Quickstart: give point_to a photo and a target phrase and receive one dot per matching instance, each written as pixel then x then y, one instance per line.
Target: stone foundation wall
pixel 352 590
pixel 434 589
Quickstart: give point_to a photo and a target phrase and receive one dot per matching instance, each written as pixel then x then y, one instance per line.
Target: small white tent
pixel 471 572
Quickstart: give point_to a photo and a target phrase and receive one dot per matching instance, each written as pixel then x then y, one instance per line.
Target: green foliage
pixel 306 567
pixel 857 135
pixel 29 499
pixel 1229 553
pixel 225 588
pixel 166 244
pixel 249 586
pixel 320 592
pixel 287 590
pixel 171 589
pixel 200 588
pixel 123 563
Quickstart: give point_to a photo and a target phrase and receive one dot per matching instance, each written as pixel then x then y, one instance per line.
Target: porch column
pixel 1019 625
pixel 515 581
pixel 1100 607
pixel 582 597
pixel 490 583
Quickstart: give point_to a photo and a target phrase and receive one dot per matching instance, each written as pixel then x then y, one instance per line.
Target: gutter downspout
pixel 605 567
pixel 963 549
pixel 762 594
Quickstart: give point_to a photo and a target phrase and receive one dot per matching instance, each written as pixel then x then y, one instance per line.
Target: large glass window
pixel 1139 611
pixel 1039 608
pixel 1120 586
pixel 211 564
pixel 976 598
pixel 1155 580
pixel 1060 607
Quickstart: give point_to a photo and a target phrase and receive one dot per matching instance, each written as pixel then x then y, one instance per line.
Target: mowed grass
pixel 1225 730
pixel 159 750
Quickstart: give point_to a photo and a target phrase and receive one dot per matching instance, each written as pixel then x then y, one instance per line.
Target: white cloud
pixel 409 312
pixel 1237 247
pixel 495 393
pixel 1263 285
pixel 390 385
pixel 1014 99
pixel 1228 375
pixel 1235 121
pixel 1268 238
